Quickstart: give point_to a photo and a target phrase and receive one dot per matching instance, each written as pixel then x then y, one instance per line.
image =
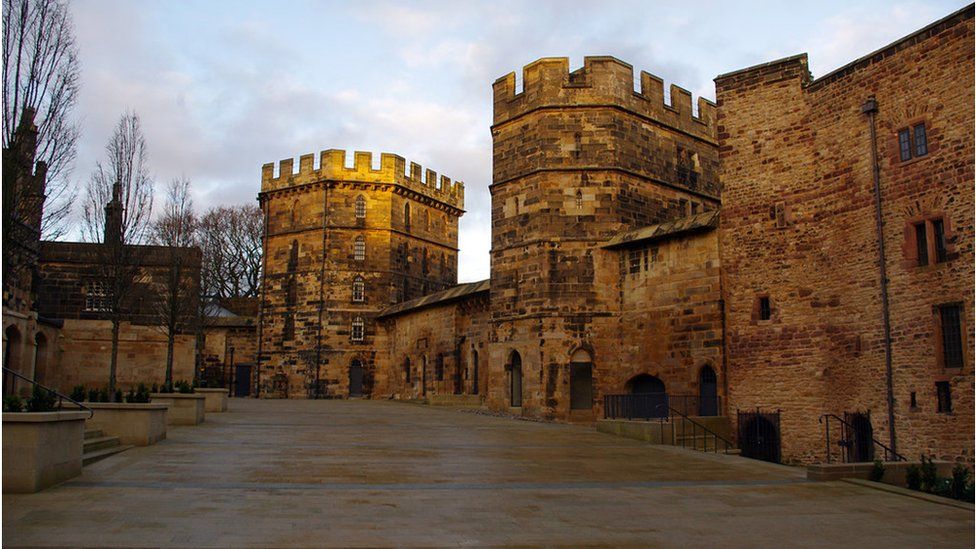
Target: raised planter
pixel 135 424
pixel 184 408
pixel 654 432
pixel 216 399
pixel 894 472
pixel 462 401
pixel 41 449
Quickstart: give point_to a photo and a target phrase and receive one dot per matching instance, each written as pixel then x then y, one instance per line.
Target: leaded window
pixel 950 319
pixel 359 289
pixel 359 249
pixel 97 296
pixel 358 329
pixel 360 207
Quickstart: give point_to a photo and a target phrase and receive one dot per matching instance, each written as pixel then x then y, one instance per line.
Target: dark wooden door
pixel 356 378
pixel 707 392
pixel 242 380
pixel 581 386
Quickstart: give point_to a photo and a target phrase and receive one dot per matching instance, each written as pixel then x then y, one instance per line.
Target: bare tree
pixel 41 75
pixel 231 240
pixel 117 210
pixel 176 307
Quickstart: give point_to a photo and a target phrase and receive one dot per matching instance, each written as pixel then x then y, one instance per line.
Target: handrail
pixel 844 422
pixel 61 397
pixel 694 426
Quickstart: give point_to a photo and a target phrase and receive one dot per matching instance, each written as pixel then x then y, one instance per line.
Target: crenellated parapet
pixel 602 81
pixel 392 170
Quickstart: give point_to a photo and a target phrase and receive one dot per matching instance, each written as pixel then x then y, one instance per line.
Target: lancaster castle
pixel 798 250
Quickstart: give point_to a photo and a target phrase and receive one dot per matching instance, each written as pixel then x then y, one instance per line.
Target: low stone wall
pixel 184 408
pixel 894 471
pixel 655 432
pixel 135 424
pixel 41 449
pixel 216 399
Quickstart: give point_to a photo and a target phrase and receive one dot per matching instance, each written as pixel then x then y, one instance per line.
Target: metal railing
pixel 665 408
pixel 655 405
pixel 11 389
pixel 849 437
pixel 695 429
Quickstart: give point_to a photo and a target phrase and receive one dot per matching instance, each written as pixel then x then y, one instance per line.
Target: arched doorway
pixel 650 396
pixel 515 380
pixel 860 438
pixel 707 392
pixel 581 381
pixel 759 435
pixel 356 378
pixel 41 359
pixel 474 372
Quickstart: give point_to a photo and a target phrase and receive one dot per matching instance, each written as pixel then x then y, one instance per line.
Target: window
pixel 406 369
pixel 579 200
pixel 765 309
pixel 97 296
pixel 931 244
pixel 921 244
pixel 288 332
pixel 406 215
pixel 358 329
pixel 358 290
pixel 949 322
pixel 426 220
pixel 938 230
pixel 912 142
pixel 944 395
pixel 913 402
pixel 360 207
pixel 634 261
pixel 439 368
pixel 359 249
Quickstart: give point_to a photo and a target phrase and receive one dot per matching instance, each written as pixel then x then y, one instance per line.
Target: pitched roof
pixel 437 298
pixel 704 221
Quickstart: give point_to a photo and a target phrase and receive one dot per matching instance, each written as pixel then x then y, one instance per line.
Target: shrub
pixel 155 388
pixel 959 482
pixel 41 400
pixel 93 395
pixel 13 403
pixel 913 477
pixel 142 393
pixel 130 396
pixel 78 393
pixel 930 475
pixel 184 386
pixel 103 395
pixel 878 471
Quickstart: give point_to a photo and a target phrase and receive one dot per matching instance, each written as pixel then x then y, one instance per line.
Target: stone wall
pixel 86 347
pixel 449 336
pixel 798 227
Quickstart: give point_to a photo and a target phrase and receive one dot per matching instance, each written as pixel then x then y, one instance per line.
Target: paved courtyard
pixel 364 473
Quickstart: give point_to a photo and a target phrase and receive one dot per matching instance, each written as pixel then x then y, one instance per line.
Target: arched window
pixel 11 355
pixel 358 329
pixel 360 207
pixel 359 249
pixel 294 213
pixel 515 380
pixel 359 289
pixel 406 215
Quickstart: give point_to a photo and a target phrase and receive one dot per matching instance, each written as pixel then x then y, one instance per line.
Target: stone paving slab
pixel 365 473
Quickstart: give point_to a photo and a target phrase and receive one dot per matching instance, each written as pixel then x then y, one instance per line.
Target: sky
pixel 223 87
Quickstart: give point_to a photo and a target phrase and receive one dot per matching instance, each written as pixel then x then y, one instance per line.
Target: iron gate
pixel 759 435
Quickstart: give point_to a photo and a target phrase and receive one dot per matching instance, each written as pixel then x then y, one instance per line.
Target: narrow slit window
pixel 950 318
pixel 765 309
pixel 938 230
pixel 944 395
pixel 921 244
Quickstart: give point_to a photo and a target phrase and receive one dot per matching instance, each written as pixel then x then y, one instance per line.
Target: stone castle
pixel 800 248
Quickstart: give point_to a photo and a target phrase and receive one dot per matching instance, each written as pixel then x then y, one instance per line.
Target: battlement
pixel 602 80
pixel 392 169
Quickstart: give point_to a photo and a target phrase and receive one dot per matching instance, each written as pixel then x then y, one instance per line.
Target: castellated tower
pixel 340 245
pixel 578 158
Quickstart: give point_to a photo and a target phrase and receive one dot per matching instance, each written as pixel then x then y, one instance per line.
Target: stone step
pixel 91 457
pixel 100 443
pixel 94 433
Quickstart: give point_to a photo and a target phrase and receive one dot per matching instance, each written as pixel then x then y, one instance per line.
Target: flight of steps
pixel 686 436
pixel 98 447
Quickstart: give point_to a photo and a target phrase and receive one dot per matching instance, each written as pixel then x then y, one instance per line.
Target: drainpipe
pixel 870 107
